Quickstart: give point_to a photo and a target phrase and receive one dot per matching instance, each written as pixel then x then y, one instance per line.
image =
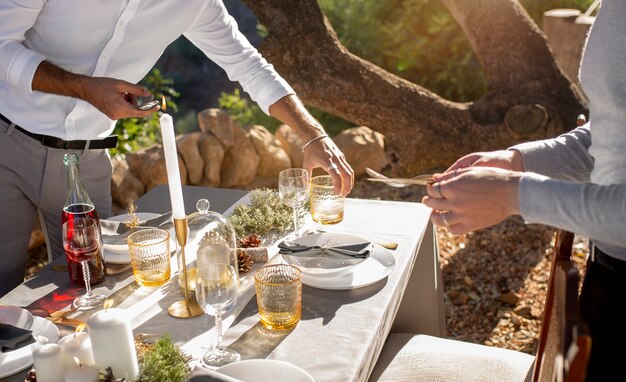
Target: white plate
pixel 20 359
pixel 265 370
pixel 325 265
pixel 375 268
pixel 18 317
pixel 123 248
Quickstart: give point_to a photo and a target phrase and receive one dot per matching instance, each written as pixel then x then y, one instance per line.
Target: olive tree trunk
pixel 528 97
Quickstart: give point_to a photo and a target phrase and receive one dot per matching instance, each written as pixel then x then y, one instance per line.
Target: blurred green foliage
pixel 420 41
pixel 135 133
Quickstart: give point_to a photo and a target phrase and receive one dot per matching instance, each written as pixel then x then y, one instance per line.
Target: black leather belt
pixel 58 143
pixel 607 261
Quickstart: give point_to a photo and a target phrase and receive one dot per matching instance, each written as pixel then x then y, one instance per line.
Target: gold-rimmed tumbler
pixel 279 296
pixel 150 256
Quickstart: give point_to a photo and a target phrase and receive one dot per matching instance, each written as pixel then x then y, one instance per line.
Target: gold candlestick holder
pixel 188 307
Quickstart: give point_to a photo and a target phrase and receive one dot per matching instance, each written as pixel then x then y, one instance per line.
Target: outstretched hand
pixel 325 154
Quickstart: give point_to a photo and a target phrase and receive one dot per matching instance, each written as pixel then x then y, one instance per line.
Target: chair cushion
pixel 410 357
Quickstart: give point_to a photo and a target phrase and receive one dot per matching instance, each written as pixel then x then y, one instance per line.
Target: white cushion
pixel 410 357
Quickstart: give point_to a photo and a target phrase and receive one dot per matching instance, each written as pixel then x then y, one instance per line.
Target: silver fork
pixel 421 179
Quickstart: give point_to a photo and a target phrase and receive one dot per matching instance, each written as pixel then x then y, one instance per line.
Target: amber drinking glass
pixel 150 256
pixel 279 296
pixel 326 205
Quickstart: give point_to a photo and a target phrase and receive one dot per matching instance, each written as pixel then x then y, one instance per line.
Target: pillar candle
pixel 49 363
pixel 171 165
pixel 77 345
pixel 112 342
pixel 81 373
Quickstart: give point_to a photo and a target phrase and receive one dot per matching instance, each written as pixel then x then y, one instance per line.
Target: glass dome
pixel 211 239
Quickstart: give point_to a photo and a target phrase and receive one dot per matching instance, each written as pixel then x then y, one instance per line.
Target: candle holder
pixel 187 308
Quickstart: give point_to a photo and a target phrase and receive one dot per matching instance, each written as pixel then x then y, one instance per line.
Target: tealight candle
pixel 77 345
pixel 112 342
pixel 81 373
pixel 49 363
pixel 171 166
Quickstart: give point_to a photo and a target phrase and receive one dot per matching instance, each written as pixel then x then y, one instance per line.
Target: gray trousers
pixel 33 181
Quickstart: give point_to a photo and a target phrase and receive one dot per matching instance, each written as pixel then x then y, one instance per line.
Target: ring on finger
pixel 332 166
pixel 438 188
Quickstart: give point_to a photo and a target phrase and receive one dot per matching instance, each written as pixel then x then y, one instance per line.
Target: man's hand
pixel 473 198
pixel 109 95
pixel 322 153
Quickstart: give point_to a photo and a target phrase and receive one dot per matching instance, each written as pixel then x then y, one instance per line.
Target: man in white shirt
pixel 67 68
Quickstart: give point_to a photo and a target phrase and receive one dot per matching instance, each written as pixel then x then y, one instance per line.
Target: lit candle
pixel 49 363
pixel 112 342
pixel 81 373
pixel 171 165
pixel 77 345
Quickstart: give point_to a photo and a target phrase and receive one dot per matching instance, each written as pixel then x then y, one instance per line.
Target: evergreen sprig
pixel 265 213
pixel 164 362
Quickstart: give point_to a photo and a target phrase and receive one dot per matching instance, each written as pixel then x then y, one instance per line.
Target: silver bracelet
pixel 313 140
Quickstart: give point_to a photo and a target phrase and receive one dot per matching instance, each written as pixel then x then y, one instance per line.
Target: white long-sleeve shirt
pixel 582 186
pixel 121 39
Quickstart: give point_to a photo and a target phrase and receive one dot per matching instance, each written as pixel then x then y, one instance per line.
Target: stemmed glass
pixel 216 292
pixel 82 242
pixel 293 189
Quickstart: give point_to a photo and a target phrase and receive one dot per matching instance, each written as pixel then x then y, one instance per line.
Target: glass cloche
pixel 212 239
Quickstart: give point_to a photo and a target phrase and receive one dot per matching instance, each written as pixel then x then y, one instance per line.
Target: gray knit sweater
pixel 572 183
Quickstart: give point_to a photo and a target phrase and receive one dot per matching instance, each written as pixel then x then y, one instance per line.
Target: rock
pixel 509 298
pixel 272 157
pixel 187 146
pixel 125 187
pixel 292 143
pixel 148 165
pixel 523 311
pixel 363 147
pixel 212 153
pixel 457 297
pixel 217 122
pixel 240 161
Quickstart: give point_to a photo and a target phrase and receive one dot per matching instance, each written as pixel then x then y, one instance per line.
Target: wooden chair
pixel 562 353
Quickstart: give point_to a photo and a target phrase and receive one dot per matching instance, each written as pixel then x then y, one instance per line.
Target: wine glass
pixel 82 242
pixel 216 292
pixel 293 188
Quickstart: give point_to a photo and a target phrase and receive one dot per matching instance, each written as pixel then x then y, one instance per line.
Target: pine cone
pixel 244 262
pixel 250 241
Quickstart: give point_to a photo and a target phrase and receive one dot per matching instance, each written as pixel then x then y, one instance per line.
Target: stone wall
pixel 223 154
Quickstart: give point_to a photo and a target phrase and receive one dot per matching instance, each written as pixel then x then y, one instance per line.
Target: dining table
pixel 342 329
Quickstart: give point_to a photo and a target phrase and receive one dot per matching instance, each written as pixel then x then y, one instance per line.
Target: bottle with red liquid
pixel 78 205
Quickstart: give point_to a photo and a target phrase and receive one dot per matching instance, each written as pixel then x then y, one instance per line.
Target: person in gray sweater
pixel 575 182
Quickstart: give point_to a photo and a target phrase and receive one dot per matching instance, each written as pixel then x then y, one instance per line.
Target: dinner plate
pixel 16 316
pixel 17 360
pixel 328 264
pixel 375 268
pixel 123 248
pixel 265 370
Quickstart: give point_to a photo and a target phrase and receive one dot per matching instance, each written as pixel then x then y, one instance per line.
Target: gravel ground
pixel 495 280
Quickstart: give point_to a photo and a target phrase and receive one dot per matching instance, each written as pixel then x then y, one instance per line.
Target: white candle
pixel 112 342
pixel 77 345
pixel 49 363
pixel 171 165
pixel 81 373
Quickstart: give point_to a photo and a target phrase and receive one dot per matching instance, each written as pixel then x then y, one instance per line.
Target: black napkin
pixel 12 337
pixel 201 374
pixel 356 250
pixel 116 232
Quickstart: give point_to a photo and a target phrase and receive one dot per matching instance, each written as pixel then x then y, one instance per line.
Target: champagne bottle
pixel 78 205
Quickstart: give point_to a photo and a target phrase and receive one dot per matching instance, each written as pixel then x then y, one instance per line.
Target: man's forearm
pixel 291 111
pixel 49 78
